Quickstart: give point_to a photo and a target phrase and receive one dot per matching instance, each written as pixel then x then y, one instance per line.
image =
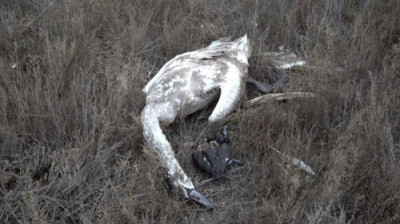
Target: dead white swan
pixel 186 84
pixel 193 80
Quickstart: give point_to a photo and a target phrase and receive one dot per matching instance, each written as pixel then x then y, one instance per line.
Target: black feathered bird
pixel 214 156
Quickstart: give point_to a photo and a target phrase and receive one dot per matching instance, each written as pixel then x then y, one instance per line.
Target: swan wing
pixel 217 48
pixel 178 62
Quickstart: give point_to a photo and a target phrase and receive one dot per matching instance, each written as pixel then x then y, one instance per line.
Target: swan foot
pixel 269 88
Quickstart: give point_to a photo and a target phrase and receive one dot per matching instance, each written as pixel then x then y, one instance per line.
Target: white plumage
pixel 188 83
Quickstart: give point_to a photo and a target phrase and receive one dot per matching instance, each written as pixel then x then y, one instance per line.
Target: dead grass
pixel 71 74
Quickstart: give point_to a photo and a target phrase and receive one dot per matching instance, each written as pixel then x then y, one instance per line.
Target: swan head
pixel 243 49
pixel 185 188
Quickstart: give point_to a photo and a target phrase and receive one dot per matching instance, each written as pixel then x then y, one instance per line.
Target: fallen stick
pixel 280 97
pixel 296 162
pixel 289 60
pixel 301 165
pixel 310 67
pixel 285 59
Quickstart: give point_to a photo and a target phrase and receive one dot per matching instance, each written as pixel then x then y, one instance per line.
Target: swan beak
pixel 199 198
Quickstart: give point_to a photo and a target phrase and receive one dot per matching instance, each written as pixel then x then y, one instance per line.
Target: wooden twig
pixel 280 97
pixel 40 14
pixel 301 165
pixel 284 59
pixel 310 67
pixel 296 162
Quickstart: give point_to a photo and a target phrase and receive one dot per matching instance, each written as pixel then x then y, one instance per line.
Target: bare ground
pixel 72 151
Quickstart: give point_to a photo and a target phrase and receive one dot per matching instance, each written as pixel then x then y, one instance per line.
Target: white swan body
pixel 190 82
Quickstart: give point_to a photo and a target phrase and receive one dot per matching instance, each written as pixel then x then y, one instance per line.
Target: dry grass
pixel 71 74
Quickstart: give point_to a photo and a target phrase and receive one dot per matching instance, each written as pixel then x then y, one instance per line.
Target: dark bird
pixel 214 156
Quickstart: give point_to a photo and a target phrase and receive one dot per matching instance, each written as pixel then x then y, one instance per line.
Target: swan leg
pixel 263 88
pixel 268 88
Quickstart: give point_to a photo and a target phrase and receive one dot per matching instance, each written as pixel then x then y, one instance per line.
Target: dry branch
pixel 285 59
pixel 296 162
pixel 280 97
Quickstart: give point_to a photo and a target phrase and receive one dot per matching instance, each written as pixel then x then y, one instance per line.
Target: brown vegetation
pixel 71 74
